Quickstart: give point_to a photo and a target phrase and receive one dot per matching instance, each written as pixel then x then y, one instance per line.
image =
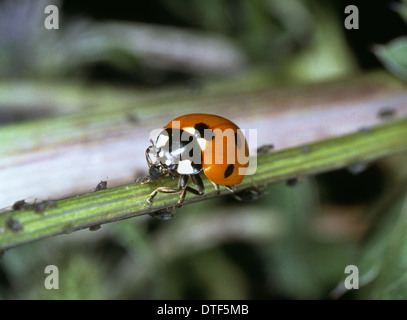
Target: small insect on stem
pixel 13 224
pixel 40 207
pixel 250 194
pixel 386 113
pixel 102 185
pixel 18 205
pixel 95 227
pixel 167 213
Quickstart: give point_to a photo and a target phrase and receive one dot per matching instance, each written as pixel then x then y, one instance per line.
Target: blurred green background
pixel 295 241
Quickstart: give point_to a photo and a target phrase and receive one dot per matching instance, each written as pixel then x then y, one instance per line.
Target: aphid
pixel 250 194
pixel 40 207
pixel 95 227
pixel 306 148
pixel 18 205
pixel 357 168
pixel 14 224
pixel 386 113
pixel 265 149
pixel 292 182
pixel 163 214
pixel 196 143
pixel 102 185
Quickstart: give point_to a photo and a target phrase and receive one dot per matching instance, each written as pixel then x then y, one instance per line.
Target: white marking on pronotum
pixel 202 143
pixel 190 130
pixel 185 167
pixel 178 151
pixel 162 140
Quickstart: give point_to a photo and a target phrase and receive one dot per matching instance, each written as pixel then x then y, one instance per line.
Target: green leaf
pixel 401 9
pixel 394 56
pixel 302 265
pixel 383 257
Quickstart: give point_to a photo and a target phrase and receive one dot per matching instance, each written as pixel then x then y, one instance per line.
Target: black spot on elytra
pixel 229 170
pixel 201 127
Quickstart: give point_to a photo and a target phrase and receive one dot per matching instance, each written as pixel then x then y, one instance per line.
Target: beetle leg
pixel 216 187
pixel 200 189
pixel 182 182
pixel 231 188
pixel 182 188
pixel 184 193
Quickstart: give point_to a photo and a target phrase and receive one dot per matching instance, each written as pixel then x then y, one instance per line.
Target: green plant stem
pixel 78 136
pixel 92 209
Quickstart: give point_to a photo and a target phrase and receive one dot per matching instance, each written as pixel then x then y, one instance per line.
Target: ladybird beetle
pixel 193 143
